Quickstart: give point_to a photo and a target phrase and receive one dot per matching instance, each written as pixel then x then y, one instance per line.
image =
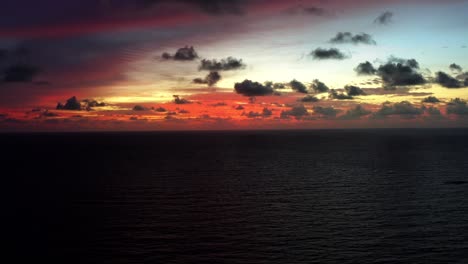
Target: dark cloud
pixel 227 64
pixel 404 108
pixel 326 111
pixel 298 112
pixel 432 111
pixel 183 54
pixel 20 73
pixel 365 68
pixel 457 106
pixel 139 108
pixel 384 19
pixel 72 104
pixel 400 72
pixel 348 37
pixel 319 87
pixel 355 113
pixel 179 100
pixel 333 94
pixel 298 86
pixel 431 100
pixel 455 67
pixel 309 99
pixel 91 103
pixel 275 85
pixel 249 88
pixel 325 54
pixel 354 90
pixel 211 7
pixel 447 81
pixel 160 110
pixel 211 79
pixel 315 11
pixel 265 113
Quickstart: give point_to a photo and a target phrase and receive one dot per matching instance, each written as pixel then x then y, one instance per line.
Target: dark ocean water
pixel 364 196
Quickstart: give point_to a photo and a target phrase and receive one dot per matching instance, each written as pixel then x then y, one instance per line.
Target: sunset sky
pixel 207 64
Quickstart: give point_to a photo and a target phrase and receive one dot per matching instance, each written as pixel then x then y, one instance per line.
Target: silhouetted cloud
pixel 431 100
pixel 296 111
pixel 309 99
pixel 319 87
pixel 348 37
pixel 211 79
pixel 457 106
pixel 447 81
pixel 354 90
pixel 265 113
pixel 365 68
pixel 404 108
pixel 398 72
pixel 326 111
pixel 456 67
pixel 183 54
pixel 333 94
pixel 20 73
pixel 72 104
pixel 179 100
pixel 298 86
pixel 355 113
pixel 384 19
pixel 325 54
pixel 139 108
pixel 227 64
pixel 250 88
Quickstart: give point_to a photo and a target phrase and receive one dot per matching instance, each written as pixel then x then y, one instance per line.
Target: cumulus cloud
pixel 19 73
pixel 333 94
pixel 355 113
pixel 183 54
pixel 447 81
pixel 296 111
pixel 326 54
pixel 227 64
pixel 457 106
pixel 319 87
pixel 365 68
pixel 72 104
pixel 385 18
pixel 309 99
pixel 404 108
pixel 354 90
pixel 298 86
pixel 265 113
pixel 179 100
pixel 211 79
pixel 348 37
pixel 456 68
pixel 250 88
pixel 398 72
pixel 431 100
pixel 326 111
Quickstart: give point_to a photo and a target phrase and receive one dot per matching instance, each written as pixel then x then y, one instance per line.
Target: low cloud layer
pixel 250 88
pixel 227 64
pixel 183 54
pixel 211 79
pixel 365 68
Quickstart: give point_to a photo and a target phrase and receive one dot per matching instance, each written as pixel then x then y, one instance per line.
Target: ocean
pixel 320 196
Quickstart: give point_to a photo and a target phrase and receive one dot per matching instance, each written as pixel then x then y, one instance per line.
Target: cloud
pixel 211 7
pixel 265 113
pixel 316 11
pixel 72 104
pixel 333 94
pixel 431 100
pixel 403 108
pixel 249 88
pixel 227 64
pixel 319 87
pixel 455 67
pixel 348 37
pixel 447 81
pixel 384 19
pixel 298 86
pixel 457 106
pixel 183 54
pixel 211 79
pixel 139 108
pixel 326 111
pixel 365 68
pixel 179 100
pixel 296 111
pixel 325 54
pixel 354 90
pixel 20 73
pixel 309 99
pixel 355 113
pixel 400 72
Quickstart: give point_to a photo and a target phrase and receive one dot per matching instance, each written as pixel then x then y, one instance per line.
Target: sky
pixel 120 65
